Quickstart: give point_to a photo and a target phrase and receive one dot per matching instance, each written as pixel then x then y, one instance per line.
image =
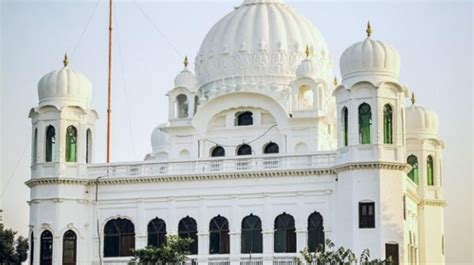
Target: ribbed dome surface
pixel 185 79
pixel 370 57
pixel 420 119
pixel 262 42
pixel 159 139
pixel 65 87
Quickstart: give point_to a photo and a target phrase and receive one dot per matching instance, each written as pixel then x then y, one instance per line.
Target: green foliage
pixel 12 251
pixel 330 256
pixel 173 251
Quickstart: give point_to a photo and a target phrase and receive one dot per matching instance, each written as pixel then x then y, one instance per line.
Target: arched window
pixel 413 174
pixel 251 241
pixel 187 228
pixel 285 234
pixel 88 146
pixel 244 118
pixel 430 170
pixel 46 248
pixel 315 232
pixel 217 151
pixel 34 149
pixel 156 232
pixel 305 98
pixel 387 125
pixel 271 148
pixel 244 149
pixel 345 125
pixel 69 248
pixel 365 123
pixel 219 235
pixel 50 144
pixel 182 106
pixel 32 246
pixel 119 238
pixel 71 144
pixel 196 103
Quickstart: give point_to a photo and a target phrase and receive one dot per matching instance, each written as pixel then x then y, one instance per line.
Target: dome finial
pixel 335 81
pixel 66 60
pixel 307 51
pixel 186 62
pixel 369 29
pixel 413 99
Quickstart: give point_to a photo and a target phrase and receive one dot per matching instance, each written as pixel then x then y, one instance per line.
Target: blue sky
pixel 434 40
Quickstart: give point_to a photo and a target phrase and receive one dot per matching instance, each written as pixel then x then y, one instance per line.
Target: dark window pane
pixel 387 125
pixel 219 235
pixel 69 248
pixel 119 238
pixel 244 118
pixel 365 122
pixel 366 215
pixel 271 148
pixel 251 235
pixel 156 232
pixel 315 232
pixel 71 144
pixel 218 151
pixel 244 150
pixel 32 251
pixel 391 252
pixel 50 143
pixel 345 121
pixel 46 250
pixel 187 228
pixel 285 235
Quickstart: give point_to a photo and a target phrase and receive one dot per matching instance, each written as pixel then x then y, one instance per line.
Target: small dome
pixel 421 120
pixel 159 139
pixel 370 57
pixel 65 87
pixel 185 79
pixel 307 68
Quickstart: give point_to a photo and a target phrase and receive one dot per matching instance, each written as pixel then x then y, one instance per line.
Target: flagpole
pixel 109 83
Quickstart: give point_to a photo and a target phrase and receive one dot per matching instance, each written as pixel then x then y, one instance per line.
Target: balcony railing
pixel 318 160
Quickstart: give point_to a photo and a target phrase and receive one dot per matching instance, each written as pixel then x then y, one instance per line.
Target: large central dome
pixel 260 42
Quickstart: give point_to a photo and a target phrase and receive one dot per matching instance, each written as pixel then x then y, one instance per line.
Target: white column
pixel 141 227
pixel 267 246
pixel 301 239
pixel 234 247
pixel 203 248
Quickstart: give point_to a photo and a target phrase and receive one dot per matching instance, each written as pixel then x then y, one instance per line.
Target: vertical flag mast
pixel 109 85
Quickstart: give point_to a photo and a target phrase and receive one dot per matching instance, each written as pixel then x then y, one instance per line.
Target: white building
pixel 262 156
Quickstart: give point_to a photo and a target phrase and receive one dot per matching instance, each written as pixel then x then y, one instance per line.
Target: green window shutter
pixel 365 122
pixel 387 122
pixel 429 171
pixel 71 144
pixel 413 174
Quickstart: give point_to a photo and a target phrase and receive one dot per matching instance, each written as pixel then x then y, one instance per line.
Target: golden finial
pixel 335 81
pixel 66 60
pixel 186 62
pixel 307 51
pixel 369 29
pixel 413 99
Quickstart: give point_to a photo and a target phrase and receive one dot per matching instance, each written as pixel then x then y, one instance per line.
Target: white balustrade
pixel 213 165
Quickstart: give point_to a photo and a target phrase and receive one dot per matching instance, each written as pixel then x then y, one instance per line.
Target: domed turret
pixel 185 78
pixel 65 87
pixel 307 67
pixel 159 138
pixel 260 42
pixel 421 119
pixel 373 58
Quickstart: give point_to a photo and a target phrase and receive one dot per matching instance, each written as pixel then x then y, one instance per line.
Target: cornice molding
pixel 434 203
pixel 218 176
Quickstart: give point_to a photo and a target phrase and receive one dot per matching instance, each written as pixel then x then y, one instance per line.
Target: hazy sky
pixel 434 40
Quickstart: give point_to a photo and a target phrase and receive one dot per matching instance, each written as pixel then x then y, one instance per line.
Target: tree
pixel 173 251
pixel 328 255
pixel 12 251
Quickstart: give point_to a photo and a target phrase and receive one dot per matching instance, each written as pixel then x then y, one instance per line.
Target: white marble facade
pixel 262 129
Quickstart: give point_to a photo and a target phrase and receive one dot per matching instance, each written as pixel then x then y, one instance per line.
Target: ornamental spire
pixel 335 81
pixel 186 62
pixel 413 99
pixel 66 60
pixel 369 29
pixel 307 51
